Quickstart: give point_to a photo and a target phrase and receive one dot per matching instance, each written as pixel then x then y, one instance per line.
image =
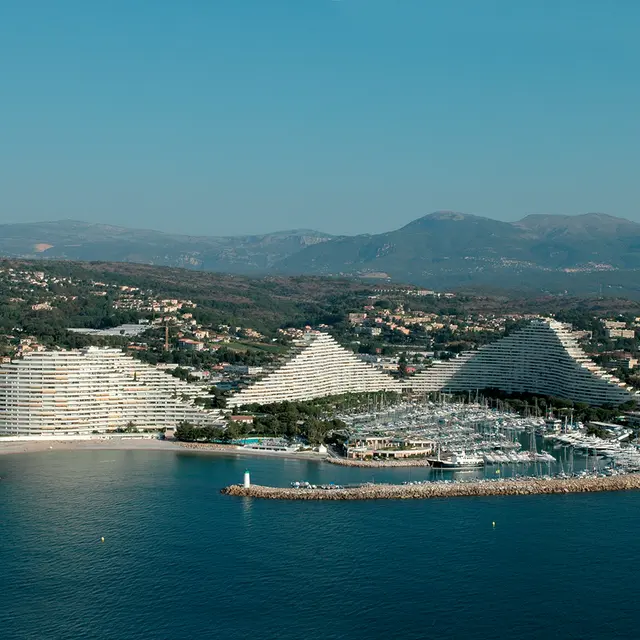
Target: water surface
pixel 182 561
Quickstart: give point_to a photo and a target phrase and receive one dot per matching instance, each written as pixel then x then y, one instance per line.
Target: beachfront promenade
pixel 480 488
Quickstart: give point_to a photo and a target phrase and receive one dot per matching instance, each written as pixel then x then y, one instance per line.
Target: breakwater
pixel 480 488
pixel 376 464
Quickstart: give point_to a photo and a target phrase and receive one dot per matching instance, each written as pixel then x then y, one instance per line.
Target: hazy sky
pixel 350 116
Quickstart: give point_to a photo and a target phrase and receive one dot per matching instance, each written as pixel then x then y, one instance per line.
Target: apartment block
pixel 88 390
pixel 542 358
pixel 316 367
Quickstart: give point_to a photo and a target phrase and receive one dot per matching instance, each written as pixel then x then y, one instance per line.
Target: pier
pixel 479 488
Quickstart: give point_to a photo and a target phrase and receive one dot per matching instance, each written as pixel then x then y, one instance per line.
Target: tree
pixel 232 432
pixel 402 366
pixel 186 432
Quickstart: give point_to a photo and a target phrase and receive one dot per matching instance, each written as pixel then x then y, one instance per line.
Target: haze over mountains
pixel 73 240
pixel 440 249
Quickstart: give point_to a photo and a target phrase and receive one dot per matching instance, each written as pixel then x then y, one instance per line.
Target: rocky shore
pixel 507 487
pixel 207 446
pixel 350 462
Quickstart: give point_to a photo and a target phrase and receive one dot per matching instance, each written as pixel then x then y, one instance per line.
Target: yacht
pixel 458 461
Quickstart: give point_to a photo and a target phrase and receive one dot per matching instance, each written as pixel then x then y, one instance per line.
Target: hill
pixel 583 254
pixel 448 249
pixel 264 303
pixel 73 240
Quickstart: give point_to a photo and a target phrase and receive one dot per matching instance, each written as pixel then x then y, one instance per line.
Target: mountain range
pixel 73 240
pixel 442 249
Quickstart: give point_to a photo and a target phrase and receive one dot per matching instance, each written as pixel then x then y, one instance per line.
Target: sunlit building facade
pixel 316 367
pixel 543 358
pixel 91 390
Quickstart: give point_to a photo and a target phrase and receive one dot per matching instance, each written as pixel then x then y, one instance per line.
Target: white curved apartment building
pixel 541 358
pixel 318 366
pixel 88 390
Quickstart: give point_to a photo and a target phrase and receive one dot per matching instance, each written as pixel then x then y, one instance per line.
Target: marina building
pixel 542 358
pixel 389 448
pixel 91 390
pixel 316 367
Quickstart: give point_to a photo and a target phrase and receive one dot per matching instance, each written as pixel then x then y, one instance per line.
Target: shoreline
pixel 200 447
pixel 428 490
pixel 106 444
pixel 15 447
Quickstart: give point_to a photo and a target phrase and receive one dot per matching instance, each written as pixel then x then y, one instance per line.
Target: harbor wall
pixel 507 487
pixel 353 462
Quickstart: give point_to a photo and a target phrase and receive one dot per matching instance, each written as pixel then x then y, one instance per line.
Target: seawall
pixel 378 464
pixel 507 487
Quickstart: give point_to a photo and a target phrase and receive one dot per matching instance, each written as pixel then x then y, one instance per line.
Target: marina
pixel 467 436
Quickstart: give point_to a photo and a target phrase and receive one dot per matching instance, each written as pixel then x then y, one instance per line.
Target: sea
pixel 181 561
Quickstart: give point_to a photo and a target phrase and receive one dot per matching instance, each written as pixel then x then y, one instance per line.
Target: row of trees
pixel 311 430
pixel 329 406
pixel 313 421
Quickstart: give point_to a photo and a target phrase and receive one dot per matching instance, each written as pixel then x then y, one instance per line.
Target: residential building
pixel 190 345
pixel 620 333
pixel 91 390
pixel 317 366
pixel 542 358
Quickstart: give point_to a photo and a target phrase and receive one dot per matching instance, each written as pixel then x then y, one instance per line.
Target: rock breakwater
pixel 350 462
pixel 508 487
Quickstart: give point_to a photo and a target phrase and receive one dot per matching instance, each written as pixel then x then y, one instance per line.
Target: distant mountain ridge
pixel 75 240
pixel 441 249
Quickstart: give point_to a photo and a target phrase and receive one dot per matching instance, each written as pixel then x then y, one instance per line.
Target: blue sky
pixel 350 116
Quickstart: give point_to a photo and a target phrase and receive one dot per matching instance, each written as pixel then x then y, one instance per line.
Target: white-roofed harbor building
pixel 91 390
pixel 542 358
pixel 316 367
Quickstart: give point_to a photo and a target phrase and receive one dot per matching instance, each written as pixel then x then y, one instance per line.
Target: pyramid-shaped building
pixel 83 391
pixel 542 358
pixel 316 367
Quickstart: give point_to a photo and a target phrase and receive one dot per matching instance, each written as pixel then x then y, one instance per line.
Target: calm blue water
pixel 181 561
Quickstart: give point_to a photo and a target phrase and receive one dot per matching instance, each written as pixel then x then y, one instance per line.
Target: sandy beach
pixel 135 444
pixel 34 446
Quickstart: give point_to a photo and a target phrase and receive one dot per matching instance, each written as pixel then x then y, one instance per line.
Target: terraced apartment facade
pixel 91 390
pixel 542 358
pixel 316 367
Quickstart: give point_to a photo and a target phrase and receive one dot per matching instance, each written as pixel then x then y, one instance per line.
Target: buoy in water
pixel 493 523
pixel 102 539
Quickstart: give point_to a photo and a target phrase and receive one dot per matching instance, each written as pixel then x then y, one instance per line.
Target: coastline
pixel 41 446
pixel 141 444
pixel 509 487
pixel 377 464
pixel 199 447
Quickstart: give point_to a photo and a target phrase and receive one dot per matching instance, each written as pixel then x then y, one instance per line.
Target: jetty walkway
pixel 480 488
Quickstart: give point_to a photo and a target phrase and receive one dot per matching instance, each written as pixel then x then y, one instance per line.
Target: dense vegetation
pixel 330 406
pixel 291 422
pixel 313 421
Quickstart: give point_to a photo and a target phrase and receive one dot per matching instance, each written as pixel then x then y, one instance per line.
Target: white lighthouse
pixel 247 479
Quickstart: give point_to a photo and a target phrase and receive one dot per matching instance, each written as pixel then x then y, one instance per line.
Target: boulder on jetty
pixel 377 464
pixel 507 487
